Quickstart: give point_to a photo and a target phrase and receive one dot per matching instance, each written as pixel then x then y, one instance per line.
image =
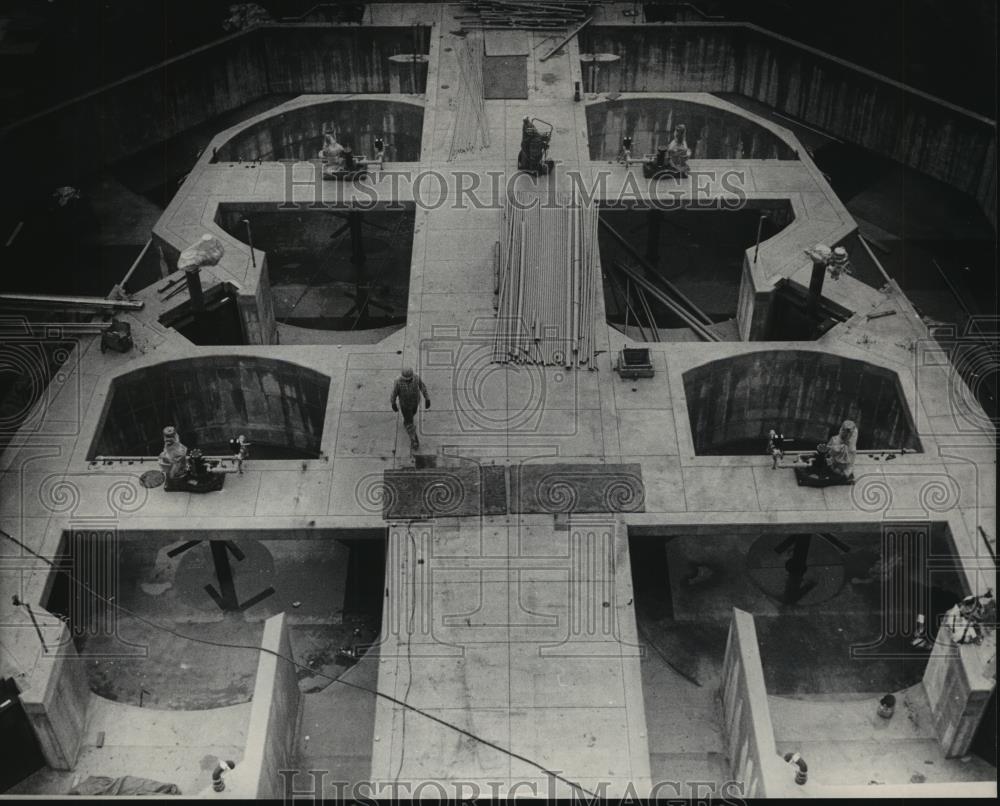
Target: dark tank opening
pixel 297 134
pixel 331 269
pixel 712 133
pixel 732 403
pixel 277 405
pixel 699 252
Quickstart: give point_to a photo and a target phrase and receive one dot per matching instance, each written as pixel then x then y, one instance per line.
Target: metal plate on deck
pixel 450 492
pixel 560 488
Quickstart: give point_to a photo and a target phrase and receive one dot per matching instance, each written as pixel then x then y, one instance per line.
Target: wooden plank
pixel 569 36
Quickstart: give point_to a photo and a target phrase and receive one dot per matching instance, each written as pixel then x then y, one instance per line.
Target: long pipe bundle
pixel 547 276
pixel 471 125
pixel 526 13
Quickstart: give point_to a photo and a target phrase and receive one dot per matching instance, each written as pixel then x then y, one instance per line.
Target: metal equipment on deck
pixel 533 156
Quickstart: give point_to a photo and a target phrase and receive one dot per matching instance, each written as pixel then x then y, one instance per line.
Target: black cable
pixel 302 666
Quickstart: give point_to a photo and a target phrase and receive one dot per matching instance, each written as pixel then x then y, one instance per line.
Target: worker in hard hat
pixel 406 393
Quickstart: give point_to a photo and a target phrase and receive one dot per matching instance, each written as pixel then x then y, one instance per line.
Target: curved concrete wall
pixel 733 402
pixel 278 405
pixel 711 133
pixel 925 133
pixel 298 133
pixel 118 120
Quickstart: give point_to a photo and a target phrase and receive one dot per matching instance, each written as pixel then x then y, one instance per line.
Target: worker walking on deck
pixel 407 391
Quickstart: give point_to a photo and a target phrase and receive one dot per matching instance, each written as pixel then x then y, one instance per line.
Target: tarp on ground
pixel 126 785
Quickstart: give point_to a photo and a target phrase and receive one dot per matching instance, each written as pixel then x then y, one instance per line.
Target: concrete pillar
pixel 257 310
pixel 56 697
pixel 754 308
pixel 816 286
pixel 958 684
pixel 193 280
pixel 275 714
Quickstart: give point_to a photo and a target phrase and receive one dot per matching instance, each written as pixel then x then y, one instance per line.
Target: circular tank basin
pixel 297 134
pixel 712 133
pixel 277 405
pixel 332 269
pixel 732 403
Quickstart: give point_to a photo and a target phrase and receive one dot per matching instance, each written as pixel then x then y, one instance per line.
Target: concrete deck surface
pixel 496 625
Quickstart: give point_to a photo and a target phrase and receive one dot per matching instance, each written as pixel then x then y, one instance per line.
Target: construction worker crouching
pixel 407 391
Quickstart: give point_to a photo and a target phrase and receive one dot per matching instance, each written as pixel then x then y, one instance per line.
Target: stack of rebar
pixel 471 128
pixel 530 14
pixel 547 279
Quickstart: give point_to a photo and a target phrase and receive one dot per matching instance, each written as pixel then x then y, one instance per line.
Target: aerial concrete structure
pixel 588 579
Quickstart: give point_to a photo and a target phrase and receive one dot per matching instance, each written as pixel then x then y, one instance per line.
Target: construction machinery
pixel 348 167
pixel 533 156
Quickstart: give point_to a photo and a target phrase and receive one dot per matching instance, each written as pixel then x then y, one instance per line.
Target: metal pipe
pixel 698 327
pixel 193 277
pixel 99 303
pixel 649 314
pixel 222 458
pixel 816 280
pixel 31 613
pixel 760 231
pixel 253 257
pixel 628 308
pixel 132 268
pixel 571 344
pixel 646 264
pixel 81 328
pixel 952 289
pixel 875 260
pixel 568 37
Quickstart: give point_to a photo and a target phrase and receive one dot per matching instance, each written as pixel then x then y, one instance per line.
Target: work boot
pixel 411 429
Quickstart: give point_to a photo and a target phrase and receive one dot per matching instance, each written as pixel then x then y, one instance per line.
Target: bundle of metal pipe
pixel 547 275
pixel 526 13
pixel 471 128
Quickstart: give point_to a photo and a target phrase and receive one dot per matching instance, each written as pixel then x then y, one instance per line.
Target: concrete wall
pixel 82 136
pixel 56 701
pixel 667 58
pixel 805 394
pixel 274 717
pixel 259 324
pixel 958 689
pixel 753 307
pixel 939 140
pixel 298 133
pixel 932 136
pixel 278 405
pixel 124 118
pixel 309 59
pixel 711 133
pixel 747 727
